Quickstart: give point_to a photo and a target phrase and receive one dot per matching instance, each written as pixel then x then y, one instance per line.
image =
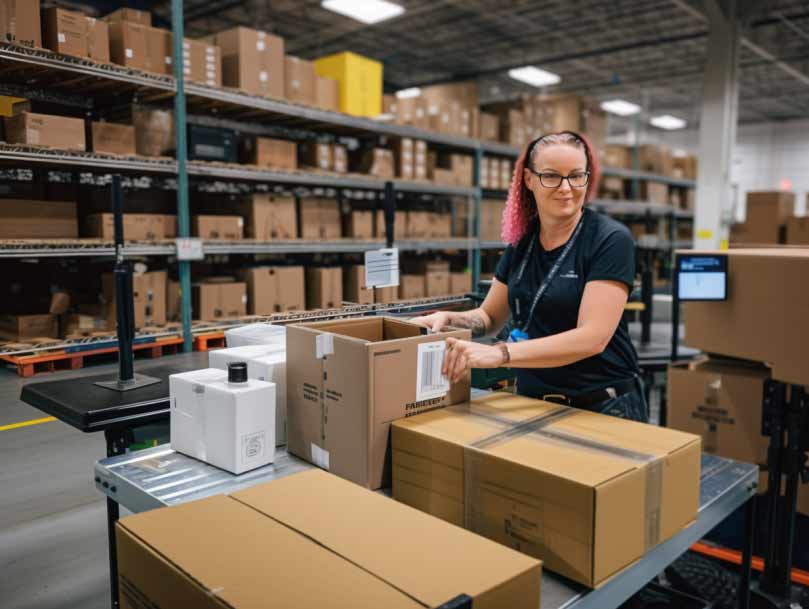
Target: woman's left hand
pixel 463 355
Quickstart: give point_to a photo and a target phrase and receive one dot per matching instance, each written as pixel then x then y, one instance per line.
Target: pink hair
pixel 521 207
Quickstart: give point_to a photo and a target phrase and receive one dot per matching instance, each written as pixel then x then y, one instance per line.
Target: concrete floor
pixel 53 535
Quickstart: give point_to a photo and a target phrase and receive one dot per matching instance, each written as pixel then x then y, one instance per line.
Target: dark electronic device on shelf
pixel 212 144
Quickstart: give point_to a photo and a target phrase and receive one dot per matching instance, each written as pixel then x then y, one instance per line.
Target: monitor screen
pixel 702 277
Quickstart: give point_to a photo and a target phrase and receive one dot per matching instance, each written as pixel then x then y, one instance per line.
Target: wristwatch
pixel 506 353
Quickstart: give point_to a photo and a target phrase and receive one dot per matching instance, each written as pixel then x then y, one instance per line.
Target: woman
pixel 564 280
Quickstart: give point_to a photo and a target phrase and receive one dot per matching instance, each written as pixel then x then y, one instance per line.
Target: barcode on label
pixel 430 382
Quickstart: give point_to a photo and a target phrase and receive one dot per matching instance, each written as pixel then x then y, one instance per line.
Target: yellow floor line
pixel 26 423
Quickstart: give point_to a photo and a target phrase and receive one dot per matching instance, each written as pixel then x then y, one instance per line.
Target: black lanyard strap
pixel 546 281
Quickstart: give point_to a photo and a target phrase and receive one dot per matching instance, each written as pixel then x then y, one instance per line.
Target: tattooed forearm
pixel 471 320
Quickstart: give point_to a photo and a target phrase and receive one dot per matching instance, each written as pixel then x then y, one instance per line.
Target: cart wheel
pixel 702 577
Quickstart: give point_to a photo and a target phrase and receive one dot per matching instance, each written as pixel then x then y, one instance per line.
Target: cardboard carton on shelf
pixel 129 15
pixel 460 283
pixel 27 327
pixel 274 289
pixel 376 162
pixel 20 22
pixel 339 157
pixel 376 370
pixel 360 82
pixel 76 325
pixel 354 289
pixel 268 216
pixel 33 129
pixel 506 173
pixel 327 93
pixel 129 44
pixel 399 221
pixel 113 138
pixel 534 486
pixel 404 159
pixel 137 227
pixel 271 153
pixel 489 127
pixel 319 218
pixel 213 300
pixel 149 298
pixel 202 62
pixel 412 111
pixel 299 75
pixel 98 39
pixel 360 225
pixel 616 156
pixel 798 230
pixel 154 131
pixel 316 154
pixel 64 32
pixel 491 215
pixel 252 61
pixel 685 167
pixel 169 226
pixel 654 192
pixel 173 301
pixel 386 295
pixel 153 550
pixel 411 286
pixel 159 51
pixel 324 287
pixel 218 227
pixel 389 105
pixel 721 401
pixel 30 219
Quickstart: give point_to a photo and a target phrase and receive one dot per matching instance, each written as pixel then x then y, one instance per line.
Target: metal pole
pixel 390 214
pixel 743 594
pixel 124 292
pixel 774 399
pixel 183 214
pixel 474 221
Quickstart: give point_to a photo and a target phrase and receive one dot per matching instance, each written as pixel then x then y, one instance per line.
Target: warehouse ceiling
pixel 650 52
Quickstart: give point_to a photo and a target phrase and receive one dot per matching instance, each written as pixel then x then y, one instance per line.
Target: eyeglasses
pixel 554 180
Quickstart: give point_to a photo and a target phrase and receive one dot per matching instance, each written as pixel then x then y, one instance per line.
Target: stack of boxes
pixel 768 213
pixel 496 173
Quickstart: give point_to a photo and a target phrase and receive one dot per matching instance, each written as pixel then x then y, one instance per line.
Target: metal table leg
pixel 112 518
pixel 743 595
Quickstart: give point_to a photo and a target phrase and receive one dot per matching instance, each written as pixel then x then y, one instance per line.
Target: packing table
pixel 158 477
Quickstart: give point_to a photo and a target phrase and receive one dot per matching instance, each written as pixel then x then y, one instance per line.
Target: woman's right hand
pixel 435 322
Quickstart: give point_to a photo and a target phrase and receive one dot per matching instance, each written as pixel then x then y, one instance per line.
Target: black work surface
pixel 83 405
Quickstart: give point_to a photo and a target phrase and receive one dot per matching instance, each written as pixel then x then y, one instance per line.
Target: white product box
pixel 220 358
pixel 273 369
pixel 240 425
pixel 256 334
pixel 187 392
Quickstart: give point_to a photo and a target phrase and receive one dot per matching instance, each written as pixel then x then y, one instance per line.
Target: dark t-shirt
pixel 604 250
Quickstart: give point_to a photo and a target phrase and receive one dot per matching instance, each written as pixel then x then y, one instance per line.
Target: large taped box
pixel 763 284
pixel 29 219
pixel 129 44
pixel 324 287
pixel 137 227
pixel 347 380
pixel 25 327
pixel 721 400
pixel 59 132
pixel 113 138
pixel 587 493
pixel 354 289
pixel 193 555
pixel 213 300
pixel 252 61
pixel 269 152
pixel 274 289
pixel 64 32
pixel 300 81
pixel 20 22
pixel 767 215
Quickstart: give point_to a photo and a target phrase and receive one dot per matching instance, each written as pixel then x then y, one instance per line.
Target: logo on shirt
pixel 571 274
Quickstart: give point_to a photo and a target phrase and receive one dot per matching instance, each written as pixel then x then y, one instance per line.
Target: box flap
pixel 242 558
pixel 432 562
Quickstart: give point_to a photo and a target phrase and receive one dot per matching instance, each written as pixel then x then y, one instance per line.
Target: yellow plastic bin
pixel 360 81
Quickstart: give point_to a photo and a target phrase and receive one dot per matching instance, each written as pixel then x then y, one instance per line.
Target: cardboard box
pixel 411 286
pixel 324 287
pixel 733 327
pixel 355 570
pixel 377 162
pixel 460 283
pixel 113 138
pixel 354 289
pixel 269 152
pixel 169 226
pixel 685 167
pixel 64 32
pixel 360 82
pixel 655 159
pixel 218 227
pixel 45 130
pixel 129 15
pixel 173 301
pixel 389 105
pixel 154 131
pixel 137 227
pixel 202 62
pixel 299 76
pixel 149 298
pixel 20 22
pixel 318 155
pixel 98 39
pixel 437 283
pixel 412 111
pixel 78 326
pixel 274 289
pixel 339 157
pixel 159 51
pixel 327 93
pixel 28 219
pixel 319 218
pixel 618 156
pixel 523 473
pixel 26 327
pixel 386 295
pixel 491 218
pixel 766 217
pixel 506 174
pixel 403 157
pixel 463 168
pixel 370 369
pixel 654 192
pixel 360 225
pixel 798 230
pixel 721 401
pixel 128 44
pixel 269 216
pixel 252 61
pixel 489 127
pixel 219 300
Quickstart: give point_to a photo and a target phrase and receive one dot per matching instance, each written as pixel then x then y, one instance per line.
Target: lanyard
pixel 546 281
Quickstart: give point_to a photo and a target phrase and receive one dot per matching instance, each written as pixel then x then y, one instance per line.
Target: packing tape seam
pixel 653 475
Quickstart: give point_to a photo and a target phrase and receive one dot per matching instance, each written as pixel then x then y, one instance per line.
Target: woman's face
pixel 561 202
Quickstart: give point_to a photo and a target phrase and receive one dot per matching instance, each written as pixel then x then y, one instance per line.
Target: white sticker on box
pixel 320 457
pixel 263 76
pixel 33 136
pixel 260 45
pixel 167 59
pixel 324 345
pixel 61 37
pixel 244 298
pixel 210 74
pixel 240 222
pixel 430 382
pixel 129 53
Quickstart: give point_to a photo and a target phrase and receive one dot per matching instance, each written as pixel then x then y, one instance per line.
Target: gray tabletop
pixel 159 476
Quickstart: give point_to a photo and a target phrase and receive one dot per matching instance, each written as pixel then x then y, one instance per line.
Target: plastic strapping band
pixel 537 426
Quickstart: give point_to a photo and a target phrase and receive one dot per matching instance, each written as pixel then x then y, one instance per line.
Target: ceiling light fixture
pixel 411 92
pixel 365 11
pixel 620 107
pixel 667 121
pixel 534 76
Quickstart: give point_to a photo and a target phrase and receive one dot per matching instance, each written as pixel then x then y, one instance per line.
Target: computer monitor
pixel 702 277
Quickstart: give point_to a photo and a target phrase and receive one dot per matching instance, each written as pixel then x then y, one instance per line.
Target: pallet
pixel 209 341
pixel 53 361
